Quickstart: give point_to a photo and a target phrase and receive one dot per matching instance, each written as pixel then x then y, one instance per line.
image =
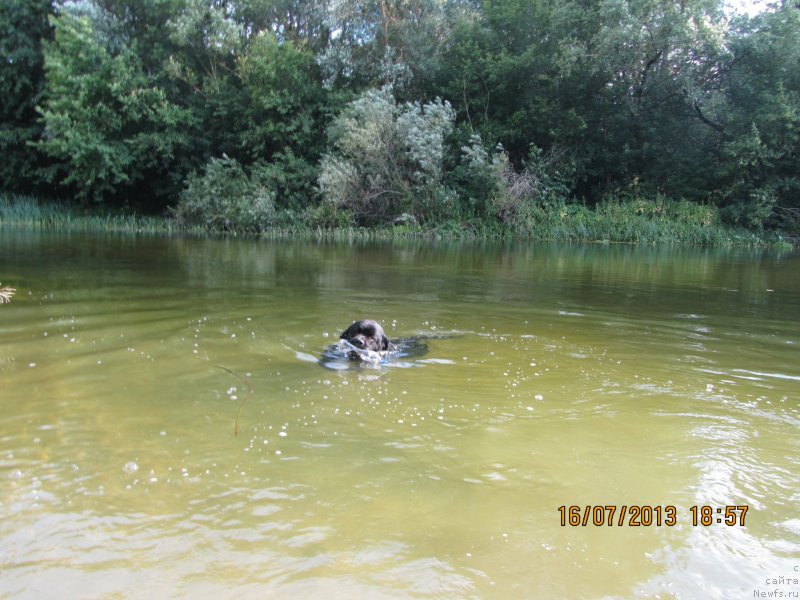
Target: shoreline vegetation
pixel 631 121
pixel 631 221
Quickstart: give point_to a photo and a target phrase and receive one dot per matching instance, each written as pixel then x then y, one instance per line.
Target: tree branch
pixel 705 119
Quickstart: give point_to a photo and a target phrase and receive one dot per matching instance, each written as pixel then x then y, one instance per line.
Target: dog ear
pixel 348 333
pixel 384 343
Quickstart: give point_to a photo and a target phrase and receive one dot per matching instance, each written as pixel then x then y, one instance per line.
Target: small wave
pixel 772 375
pixel 343 355
pixel 306 357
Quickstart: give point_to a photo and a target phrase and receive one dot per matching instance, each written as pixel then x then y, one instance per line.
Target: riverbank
pixel 637 221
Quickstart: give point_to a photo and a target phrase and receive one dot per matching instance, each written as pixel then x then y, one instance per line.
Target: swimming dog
pixel 368 335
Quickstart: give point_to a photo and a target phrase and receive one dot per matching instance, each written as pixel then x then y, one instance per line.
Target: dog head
pixel 367 335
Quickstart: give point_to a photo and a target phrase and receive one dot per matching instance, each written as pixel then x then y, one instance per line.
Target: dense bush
pixel 225 197
pixel 519 195
pixel 387 159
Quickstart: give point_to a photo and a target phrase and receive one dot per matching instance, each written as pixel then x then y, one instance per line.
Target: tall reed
pixel 615 220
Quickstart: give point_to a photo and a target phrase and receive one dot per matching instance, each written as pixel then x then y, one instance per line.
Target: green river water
pixel 168 431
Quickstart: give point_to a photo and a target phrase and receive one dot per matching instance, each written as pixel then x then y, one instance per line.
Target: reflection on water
pixel 555 376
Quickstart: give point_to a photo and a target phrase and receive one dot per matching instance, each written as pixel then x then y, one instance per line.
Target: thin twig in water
pixel 241 402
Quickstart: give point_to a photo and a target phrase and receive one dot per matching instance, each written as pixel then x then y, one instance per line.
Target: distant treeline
pixel 252 114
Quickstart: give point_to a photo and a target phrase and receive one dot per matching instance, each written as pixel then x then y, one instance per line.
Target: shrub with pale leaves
pixel 387 158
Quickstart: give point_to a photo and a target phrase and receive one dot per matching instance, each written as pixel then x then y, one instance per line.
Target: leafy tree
pixel 249 73
pixel 382 42
pixel 23 24
pixel 653 58
pixel 142 24
pixel 624 87
pixel 202 70
pixel 305 23
pixel 515 72
pixel 285 109
pixel 758 112
pixel 107 126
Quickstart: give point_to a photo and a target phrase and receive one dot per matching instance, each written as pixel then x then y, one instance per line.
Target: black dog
pixel 368 335
pixel 365 343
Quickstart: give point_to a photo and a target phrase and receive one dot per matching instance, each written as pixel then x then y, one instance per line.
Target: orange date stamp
pixel 646 515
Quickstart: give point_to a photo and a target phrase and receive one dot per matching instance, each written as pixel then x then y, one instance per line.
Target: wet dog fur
pixel 368 335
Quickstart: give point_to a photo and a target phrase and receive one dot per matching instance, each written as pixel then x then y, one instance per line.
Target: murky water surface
pixel 168 431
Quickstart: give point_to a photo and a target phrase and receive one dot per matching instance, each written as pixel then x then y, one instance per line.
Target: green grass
pixel 626 220
pixel 26 212
pixel 634 221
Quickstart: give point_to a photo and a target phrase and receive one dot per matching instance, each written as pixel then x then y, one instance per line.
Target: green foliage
pixel 258 93
pixel 23 25
pixel 119 102
pixel 382 42
pixel 613 83
pixel 517 197
pixel 227 198
pixel 284 112
pixel 106 125
pixel 652 59
pixel 630 218
pixel 387 158
pixel 623 218
pixel 515 72
pixel 759 180
pixel 28 212
pixel 474 176
pixel 751 211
